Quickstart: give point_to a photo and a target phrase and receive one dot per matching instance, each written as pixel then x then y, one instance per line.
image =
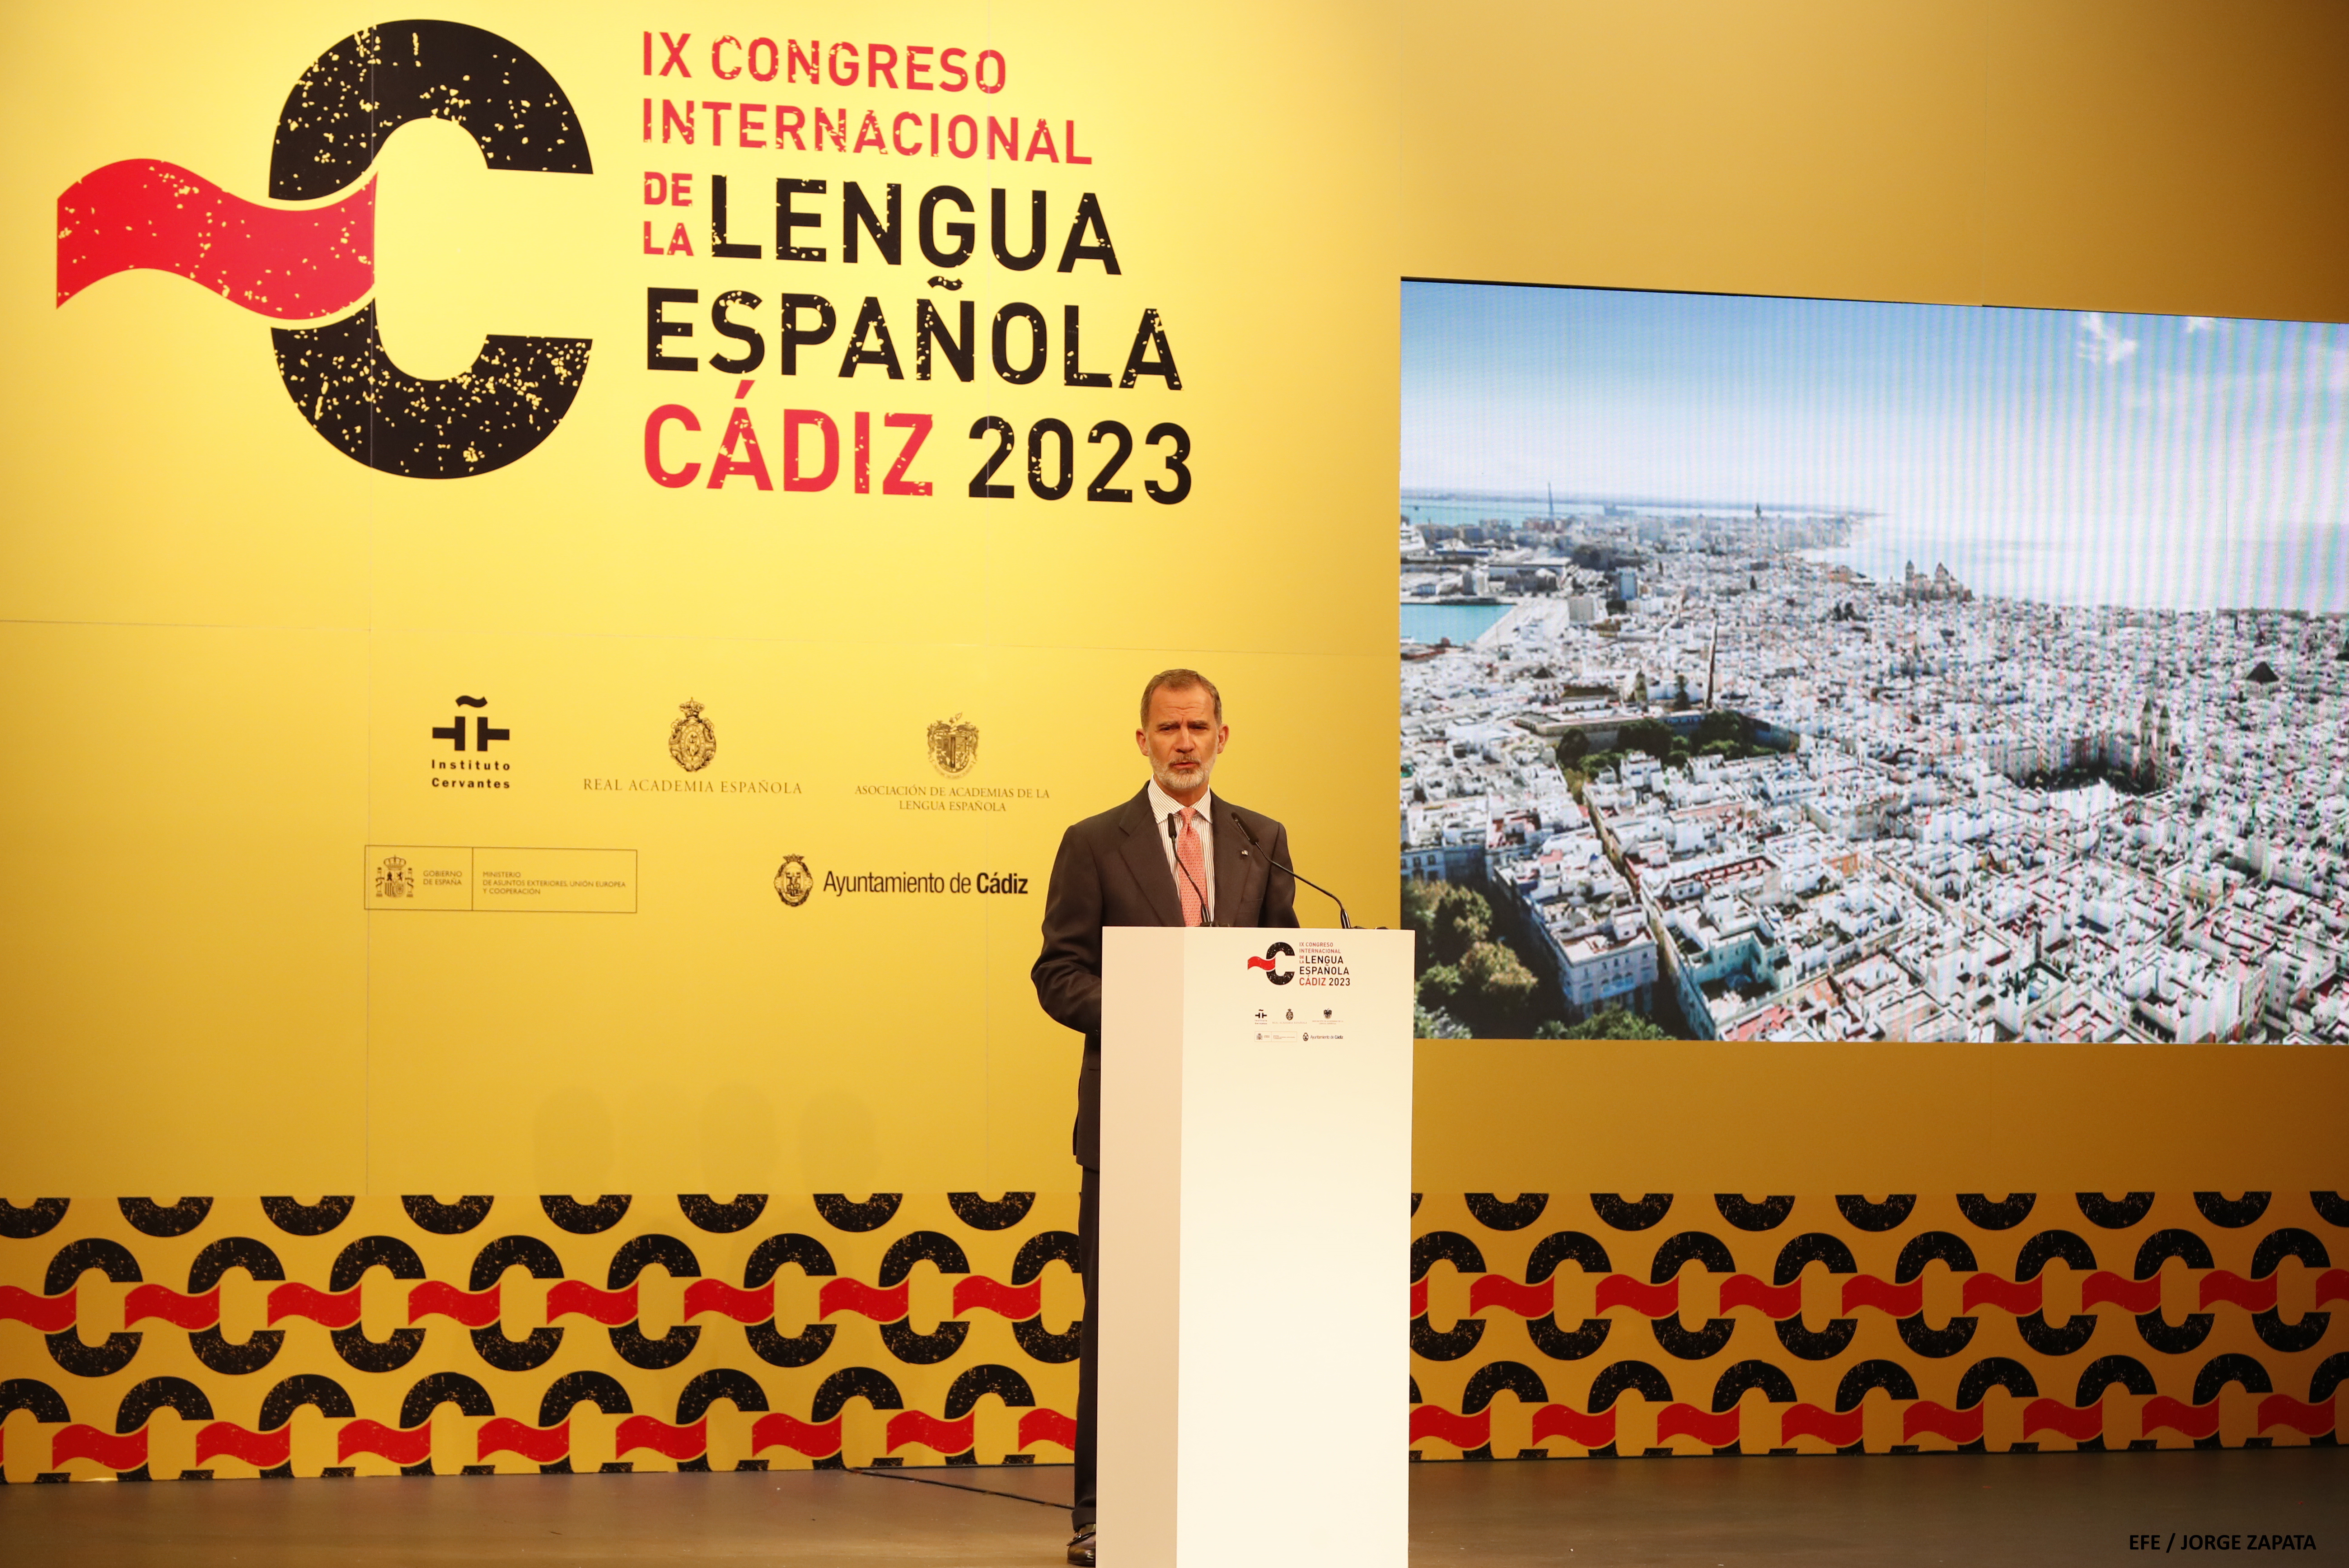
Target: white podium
pixel 1255 1233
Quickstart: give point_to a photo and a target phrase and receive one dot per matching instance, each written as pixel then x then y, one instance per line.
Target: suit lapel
pixel 1146 859
pixel 1235 870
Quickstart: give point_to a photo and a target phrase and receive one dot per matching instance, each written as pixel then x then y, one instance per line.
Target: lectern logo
pixel 954 745
pixel 794 882
pixel 692 740
pixel 394 878
pixel 1270 962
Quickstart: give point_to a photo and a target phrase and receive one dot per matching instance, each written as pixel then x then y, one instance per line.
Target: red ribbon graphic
pixel 336 1311
pixel 366 1437
pixel 2054 1416
pixel 779 1430
pixel 437 1298
pixel 126 1451
pixel 2139 1296
pixel 866 1301
pixel 1773 1301
pixel 1017 1303
pixel 1713 1429
pixel 1501 1291
pixel 1940 1421
pixel 1647 1300
pixel 42 1313
pixel 2283 1410
pixel 730 1301
pixel 286 263
pixel 1565 1422
pixel 920 1426
pixel 1839 1429
pixel 1461 1431
pixel 2020 1297
pixel 264 1451
pixel 609 1307
pixel 504 1435
pixel 1042 1426
pixel 190 1311
pixel 651 1432
pixel 2194 1420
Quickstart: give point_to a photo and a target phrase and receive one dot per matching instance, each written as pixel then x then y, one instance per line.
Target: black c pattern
pixel 1617 1215
pixel 585 1219
pixel 2274 1333
pixel 489 1341
pixel 2233 1213
pixel 306 1219
pixel 991 1213
pixel 209 1345
pixel 334 123
pixel 1514 1215
pixel 2114 1213
pixel 1747 1216
pixel 1889 1376
pixel 2330 1207
pixel 2231 1367
pixel 149 1218
pixel 877 1210
pixel 1590 1256
pixel 31 1394
pixel 436 1388
pixel 440 1219
pixel 600 1390
pixel 1464 1255
pixel 1495 1375
pixel 629 1342
pixel 1927 1247
pixel 37 1218
pixel 770 1345
pixel 1865 1216
pixel 2107 1371
pixel 162 1393
pixel 1822 1343
pixel 896 1264
pixel 65 1347
pixel 2157 1332
pixel 2081 1326
pixel 718 1383
pixel 1684 1343
pixel 2003 1215
pixel 322 1393
pixel 1618 1375
pixel 1995 1372
pixel 1775 1386
pixel 1044 1247
pixel 707 1213
pixel 351 1265
pixel 832 1396
pixel 964 1394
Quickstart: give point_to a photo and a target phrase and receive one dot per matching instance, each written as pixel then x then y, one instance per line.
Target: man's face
pixel 1182 740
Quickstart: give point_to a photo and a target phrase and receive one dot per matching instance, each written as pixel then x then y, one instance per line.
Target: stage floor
pixel 2011 1509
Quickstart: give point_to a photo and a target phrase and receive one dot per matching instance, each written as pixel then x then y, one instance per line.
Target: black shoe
pixel 1081 1548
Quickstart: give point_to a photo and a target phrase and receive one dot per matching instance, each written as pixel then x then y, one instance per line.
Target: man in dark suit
pixel 1174 854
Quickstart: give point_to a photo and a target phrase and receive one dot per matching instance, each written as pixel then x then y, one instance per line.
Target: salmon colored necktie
pixel 1194 861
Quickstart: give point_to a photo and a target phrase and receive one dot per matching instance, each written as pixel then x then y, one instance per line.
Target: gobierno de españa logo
pixel 303 264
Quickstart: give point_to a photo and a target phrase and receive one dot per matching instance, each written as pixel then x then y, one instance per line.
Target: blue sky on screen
pixel 2155 459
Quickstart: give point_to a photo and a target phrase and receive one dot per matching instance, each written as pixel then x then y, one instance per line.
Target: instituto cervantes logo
pixel 793 880
pixel 954 745
pixel 1270 964
pixel 394 878
pixel 692 739
pixel 307 263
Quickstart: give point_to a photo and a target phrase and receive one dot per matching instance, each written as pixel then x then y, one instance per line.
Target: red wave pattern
pixel 2054 1416
pixel 436 1298
pixel 412 1447
pixel 2138 1296
pixel 1461 1431
pixel 609 1307
pixel 286 263
pixel 2194 1420
pixel 1501 1291
pixel 1926 1417
pixel 1575 1425
pixel 1714 1428
pixel 2283 1410
pixel 730 1301
pixel 2250 1295
pixel 1899 1300
pixel 919 1426
pixel 866 1301
pixel 1419 1297
pixel 651 1432
pixel 2020 1297
pixel 2332 1284
pixel 1837 1429
pixel 264 1451
pixel 1777 1302
pixel 1015 1303
pixel 42 1313
pixel 122 1453
pixel 188 1312
pixel 335 1311
pixel 504 1435
pixel 1647 1300
pixel 1042 1426
pixel 779 1430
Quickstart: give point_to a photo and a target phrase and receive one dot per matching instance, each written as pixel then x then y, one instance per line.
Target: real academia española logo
pixel 303 263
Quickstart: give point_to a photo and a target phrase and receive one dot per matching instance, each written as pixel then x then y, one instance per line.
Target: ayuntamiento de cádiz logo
pixel 306 263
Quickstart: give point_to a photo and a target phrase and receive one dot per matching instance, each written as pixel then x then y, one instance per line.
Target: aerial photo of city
pixel 1793 670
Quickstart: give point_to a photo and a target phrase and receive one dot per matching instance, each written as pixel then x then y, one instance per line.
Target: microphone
pixel 1207 916
pixel 1344 922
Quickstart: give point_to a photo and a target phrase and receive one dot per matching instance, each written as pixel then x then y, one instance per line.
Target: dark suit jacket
pixel 1111 871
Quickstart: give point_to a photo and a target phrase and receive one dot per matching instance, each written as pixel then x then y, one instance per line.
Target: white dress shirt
pixel 1163 806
